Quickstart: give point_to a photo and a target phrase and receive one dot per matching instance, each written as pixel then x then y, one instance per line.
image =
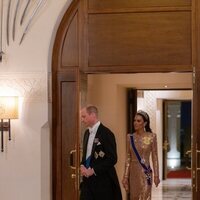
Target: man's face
pixel 86 118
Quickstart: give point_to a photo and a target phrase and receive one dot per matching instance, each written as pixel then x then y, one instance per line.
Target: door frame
pixel 57 68
pixel 165 142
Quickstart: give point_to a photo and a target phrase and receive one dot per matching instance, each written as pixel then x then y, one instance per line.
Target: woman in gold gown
pixel 138 175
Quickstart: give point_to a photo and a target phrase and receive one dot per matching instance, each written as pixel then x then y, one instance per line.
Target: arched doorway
pixel 95 38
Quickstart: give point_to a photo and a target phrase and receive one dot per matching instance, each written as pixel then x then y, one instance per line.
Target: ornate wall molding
pixel 30 86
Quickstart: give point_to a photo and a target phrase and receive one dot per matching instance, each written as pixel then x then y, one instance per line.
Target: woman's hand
pixel 125 183
pixel 156 180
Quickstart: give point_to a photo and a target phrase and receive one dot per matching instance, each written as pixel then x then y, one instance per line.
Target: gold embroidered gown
pixel 147 147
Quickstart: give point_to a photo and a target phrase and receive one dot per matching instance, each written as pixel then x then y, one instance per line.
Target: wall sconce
pixel 8 111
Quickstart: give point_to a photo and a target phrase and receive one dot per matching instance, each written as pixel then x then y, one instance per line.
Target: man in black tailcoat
pixel 99 177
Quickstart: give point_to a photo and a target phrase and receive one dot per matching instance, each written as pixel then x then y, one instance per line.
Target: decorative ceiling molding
pixel 17 16
pixel 36 9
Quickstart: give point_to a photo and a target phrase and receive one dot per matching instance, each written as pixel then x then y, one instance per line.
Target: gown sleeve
pixel 128 158
pixel 155 156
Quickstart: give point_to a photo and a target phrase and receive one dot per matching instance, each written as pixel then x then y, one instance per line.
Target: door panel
pixel 131 108
pixel 196 100
pixel 66 136
pixel 196 139
pixel 105 5
pixel 157 38
pixel 69 134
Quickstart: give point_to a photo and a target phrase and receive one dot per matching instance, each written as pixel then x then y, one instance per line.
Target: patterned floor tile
pixel 173 189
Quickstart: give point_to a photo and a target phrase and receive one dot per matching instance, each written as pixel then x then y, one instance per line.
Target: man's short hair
pixel 92 109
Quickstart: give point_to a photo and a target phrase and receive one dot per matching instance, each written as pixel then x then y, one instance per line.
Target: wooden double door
pixel 67 141
pixel 117 37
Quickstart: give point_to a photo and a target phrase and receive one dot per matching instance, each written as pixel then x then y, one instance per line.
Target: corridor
pixel 173 189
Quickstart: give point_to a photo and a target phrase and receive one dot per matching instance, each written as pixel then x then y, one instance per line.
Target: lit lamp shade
pixel 8 107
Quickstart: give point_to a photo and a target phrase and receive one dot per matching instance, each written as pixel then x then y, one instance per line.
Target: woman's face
pixel 139 123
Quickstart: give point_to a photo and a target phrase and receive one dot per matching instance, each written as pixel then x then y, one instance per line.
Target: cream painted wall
pixel 110 100
pixel 108 93
pixel 24 71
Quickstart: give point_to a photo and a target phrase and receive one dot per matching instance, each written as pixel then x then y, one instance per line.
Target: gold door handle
pixel 165 145
pixel 197 168
pixel 198 151
pixel 72 162
pixel 188 153
pixel 73 176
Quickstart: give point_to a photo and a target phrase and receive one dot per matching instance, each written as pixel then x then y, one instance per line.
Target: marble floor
pixel 173 189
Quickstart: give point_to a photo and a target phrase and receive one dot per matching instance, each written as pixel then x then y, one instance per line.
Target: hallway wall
pixel 24 71
pixel 108 93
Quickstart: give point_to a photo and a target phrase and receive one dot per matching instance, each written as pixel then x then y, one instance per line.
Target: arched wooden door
pixel 65 138
pixel 96 37
pixel 65 111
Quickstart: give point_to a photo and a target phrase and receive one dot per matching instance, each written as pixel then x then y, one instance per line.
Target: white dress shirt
pixel 93 131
